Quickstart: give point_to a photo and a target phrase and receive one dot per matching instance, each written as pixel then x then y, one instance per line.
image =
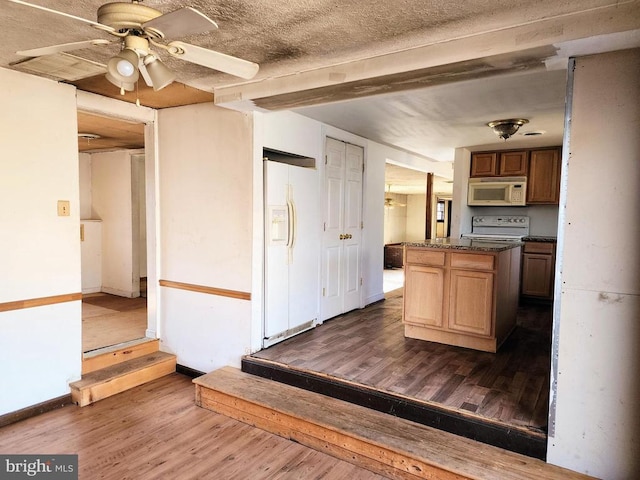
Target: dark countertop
pixel 464 244
pixel 540 238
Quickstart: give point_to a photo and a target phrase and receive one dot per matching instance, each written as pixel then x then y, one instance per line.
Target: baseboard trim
pixel 188 371
pixel 35 410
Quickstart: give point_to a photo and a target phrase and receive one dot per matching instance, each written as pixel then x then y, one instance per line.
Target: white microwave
pixel 497 191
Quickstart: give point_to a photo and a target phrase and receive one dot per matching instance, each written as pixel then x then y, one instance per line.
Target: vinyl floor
pixel 368 347
pixel 155 431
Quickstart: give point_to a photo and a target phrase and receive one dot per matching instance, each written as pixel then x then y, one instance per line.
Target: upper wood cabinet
pixel 499 164
pixel 484 164
pixel 513 164
pixel 543 185
pixel 540 166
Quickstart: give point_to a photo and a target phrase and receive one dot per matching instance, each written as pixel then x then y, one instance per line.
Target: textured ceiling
pixel 437 106
pixel 285 36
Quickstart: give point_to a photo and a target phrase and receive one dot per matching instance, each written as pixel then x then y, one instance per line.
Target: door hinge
pixel 323 291
pixel 361 281
pixel 361 225
pixel 326 159
pixel 363 167
pixel 324 226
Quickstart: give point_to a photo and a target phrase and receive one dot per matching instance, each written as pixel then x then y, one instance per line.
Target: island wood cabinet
pixel 458 297
pixel 499 164
pixel 538 265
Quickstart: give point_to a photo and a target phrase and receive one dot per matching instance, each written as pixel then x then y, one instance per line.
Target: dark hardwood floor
pixel 368 347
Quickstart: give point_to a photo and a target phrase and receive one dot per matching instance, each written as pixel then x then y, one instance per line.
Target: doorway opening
pixel 113 231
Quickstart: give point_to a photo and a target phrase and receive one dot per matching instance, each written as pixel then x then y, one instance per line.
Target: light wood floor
pixel 368 347
pixel 108 320
pixel 155 431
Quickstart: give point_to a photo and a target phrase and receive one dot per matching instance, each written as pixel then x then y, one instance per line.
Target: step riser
pixel 86 396
pixel 105 360
pixel 375 458
pixel 492 433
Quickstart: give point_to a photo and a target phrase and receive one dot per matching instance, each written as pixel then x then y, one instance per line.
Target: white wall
pixel 416 220
pixel 395 219
pixel 85 185
pixel 205 185
pixel 598 320
pixel 39 251
pixel 111 186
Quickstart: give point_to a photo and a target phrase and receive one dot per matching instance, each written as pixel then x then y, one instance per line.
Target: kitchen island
pixel 461 292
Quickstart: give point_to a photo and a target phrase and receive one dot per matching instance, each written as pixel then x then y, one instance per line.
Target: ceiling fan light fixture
pixel 158 72
pixel 506 128
pixel 129 87
pixel 122 68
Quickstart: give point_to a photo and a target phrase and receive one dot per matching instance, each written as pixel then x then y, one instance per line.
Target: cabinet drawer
pixel 539 247
pixel 425 257
pixel 471 260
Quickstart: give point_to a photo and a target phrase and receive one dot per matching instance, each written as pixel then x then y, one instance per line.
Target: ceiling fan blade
pixel 63 47
pixel 215 60
pixel 185 21
pixel 97 25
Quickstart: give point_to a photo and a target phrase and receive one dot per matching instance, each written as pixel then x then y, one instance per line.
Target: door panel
pixel 304 260
pixel 342 228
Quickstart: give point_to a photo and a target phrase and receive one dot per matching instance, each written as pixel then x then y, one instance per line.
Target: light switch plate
pixel 64 209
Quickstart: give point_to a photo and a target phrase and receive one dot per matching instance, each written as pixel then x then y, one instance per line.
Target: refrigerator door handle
pixel 291 207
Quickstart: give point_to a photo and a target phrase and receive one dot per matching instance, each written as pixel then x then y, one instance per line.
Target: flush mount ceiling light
pixel 88 136
pixel 506 128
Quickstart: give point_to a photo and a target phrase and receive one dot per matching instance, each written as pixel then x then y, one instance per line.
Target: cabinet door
pixel 425 287
pixel 513 163
pixel 484 164
pixel 537 275
pixel 543 186
pixel 471 301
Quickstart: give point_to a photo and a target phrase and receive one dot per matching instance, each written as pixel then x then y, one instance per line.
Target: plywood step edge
pixel 115 354
pixel 377 441
pixel 123 376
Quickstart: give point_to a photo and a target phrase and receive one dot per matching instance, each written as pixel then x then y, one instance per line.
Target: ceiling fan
pixel 390 202
pixel 140 29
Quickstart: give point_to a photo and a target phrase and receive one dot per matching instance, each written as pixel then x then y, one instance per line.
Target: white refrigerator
pixel 292 250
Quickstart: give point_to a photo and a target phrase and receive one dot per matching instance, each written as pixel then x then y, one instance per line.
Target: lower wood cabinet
pixel 538 266
pixel 426 285
pixel 470 301
pixel 459 297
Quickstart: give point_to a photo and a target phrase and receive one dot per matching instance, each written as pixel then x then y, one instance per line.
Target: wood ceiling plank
pixel 173 95
pixel 114 133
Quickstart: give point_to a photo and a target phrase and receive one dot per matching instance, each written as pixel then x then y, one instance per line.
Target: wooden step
pixel 117 378
pixel 379 442
pixel 105 357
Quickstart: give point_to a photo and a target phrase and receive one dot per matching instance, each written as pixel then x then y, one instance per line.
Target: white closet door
pixel 342 228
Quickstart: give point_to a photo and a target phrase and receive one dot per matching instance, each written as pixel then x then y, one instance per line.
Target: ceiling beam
pixel 545 34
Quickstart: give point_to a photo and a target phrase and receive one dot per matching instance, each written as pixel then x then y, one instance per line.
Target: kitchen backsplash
pixel 543 218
